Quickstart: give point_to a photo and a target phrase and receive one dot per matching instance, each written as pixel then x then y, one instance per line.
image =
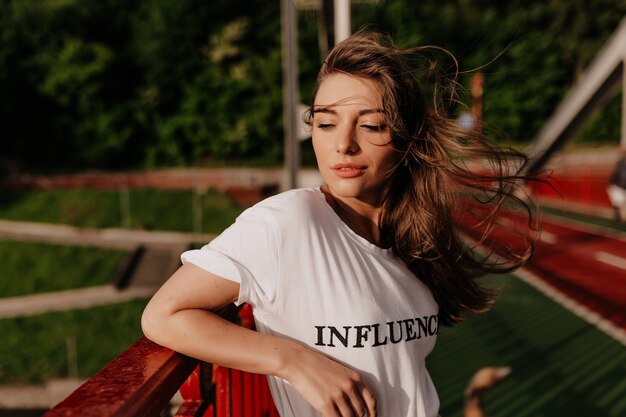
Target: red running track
pixel 585 263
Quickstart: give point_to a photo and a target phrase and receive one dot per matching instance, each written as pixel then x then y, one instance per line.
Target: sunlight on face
pixel 351 138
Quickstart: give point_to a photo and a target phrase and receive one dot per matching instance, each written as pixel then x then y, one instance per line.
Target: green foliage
pixel 603 126
pixel 520 108
pixel 64 104
pixel 98 208
pixel 217 93
pixel 33 349
pixel 73 74
pixel 29 268
pixel 122 84
pixel 531 52
pixel 117 84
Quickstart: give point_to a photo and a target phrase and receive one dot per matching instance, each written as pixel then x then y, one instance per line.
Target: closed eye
pixel 375 128
pixel 325 126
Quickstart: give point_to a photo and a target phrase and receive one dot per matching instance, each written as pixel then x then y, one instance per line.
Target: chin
pixel 343 190
pixel 347 190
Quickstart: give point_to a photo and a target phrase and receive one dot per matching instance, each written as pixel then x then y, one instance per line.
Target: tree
pixel 118 84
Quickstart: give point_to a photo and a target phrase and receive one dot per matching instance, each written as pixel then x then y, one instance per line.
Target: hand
pixel 331 388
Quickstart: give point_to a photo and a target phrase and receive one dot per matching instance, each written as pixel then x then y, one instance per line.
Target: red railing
pixel 144 378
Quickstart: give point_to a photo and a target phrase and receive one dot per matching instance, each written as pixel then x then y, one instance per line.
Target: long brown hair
pixel 446 173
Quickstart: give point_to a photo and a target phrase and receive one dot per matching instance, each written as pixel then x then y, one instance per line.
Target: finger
pixel 344 408
pixel 331 411
pixel 356 400
pixel 370 401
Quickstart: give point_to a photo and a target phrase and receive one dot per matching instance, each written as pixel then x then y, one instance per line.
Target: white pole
pixel 290 90
pixel 342 20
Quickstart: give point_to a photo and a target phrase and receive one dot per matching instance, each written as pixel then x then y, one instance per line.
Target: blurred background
pixel 131 131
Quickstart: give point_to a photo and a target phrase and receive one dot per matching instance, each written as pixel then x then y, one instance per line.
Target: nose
pixel 346 141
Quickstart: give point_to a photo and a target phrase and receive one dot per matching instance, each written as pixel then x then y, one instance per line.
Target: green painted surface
pixel 561 365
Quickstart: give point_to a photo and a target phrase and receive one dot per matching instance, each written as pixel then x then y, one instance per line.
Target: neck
pixel 362 217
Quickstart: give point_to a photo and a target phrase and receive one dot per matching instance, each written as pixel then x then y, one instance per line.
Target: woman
pixel 349 282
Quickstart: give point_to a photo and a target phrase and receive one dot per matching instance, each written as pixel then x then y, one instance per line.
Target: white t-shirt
pixel 309 277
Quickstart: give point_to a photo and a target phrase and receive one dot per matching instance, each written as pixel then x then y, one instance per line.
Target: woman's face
pixel 351 138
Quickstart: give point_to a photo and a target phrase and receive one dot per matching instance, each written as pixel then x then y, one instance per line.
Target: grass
pixel 29 268
pixel 147 208
pixel 34 349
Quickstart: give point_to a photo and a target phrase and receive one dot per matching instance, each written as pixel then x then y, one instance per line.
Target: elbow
pixel 152 324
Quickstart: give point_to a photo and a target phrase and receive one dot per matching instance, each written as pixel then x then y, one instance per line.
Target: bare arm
pixel 180 317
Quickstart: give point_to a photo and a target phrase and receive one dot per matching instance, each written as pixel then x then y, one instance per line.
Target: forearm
pixel 180 317
pixel 325 384
pixel 206 336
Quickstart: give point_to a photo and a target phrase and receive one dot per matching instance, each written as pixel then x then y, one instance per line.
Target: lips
pixel 348 170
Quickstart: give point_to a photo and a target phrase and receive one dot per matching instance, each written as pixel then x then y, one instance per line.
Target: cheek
pixel 318 150
pixel 315 145
pixel 387 157
pixel 320 143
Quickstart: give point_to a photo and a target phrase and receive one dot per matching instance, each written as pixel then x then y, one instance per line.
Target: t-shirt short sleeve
pixel 246 253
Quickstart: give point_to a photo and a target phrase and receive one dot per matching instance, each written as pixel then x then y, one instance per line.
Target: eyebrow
pixel 329 110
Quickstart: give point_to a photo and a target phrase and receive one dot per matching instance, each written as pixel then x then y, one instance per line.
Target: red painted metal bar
pixel 197 392
pixel 242 394
pixel 236 396
pixel 221 377
pixel 138 383
pixel 192 394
